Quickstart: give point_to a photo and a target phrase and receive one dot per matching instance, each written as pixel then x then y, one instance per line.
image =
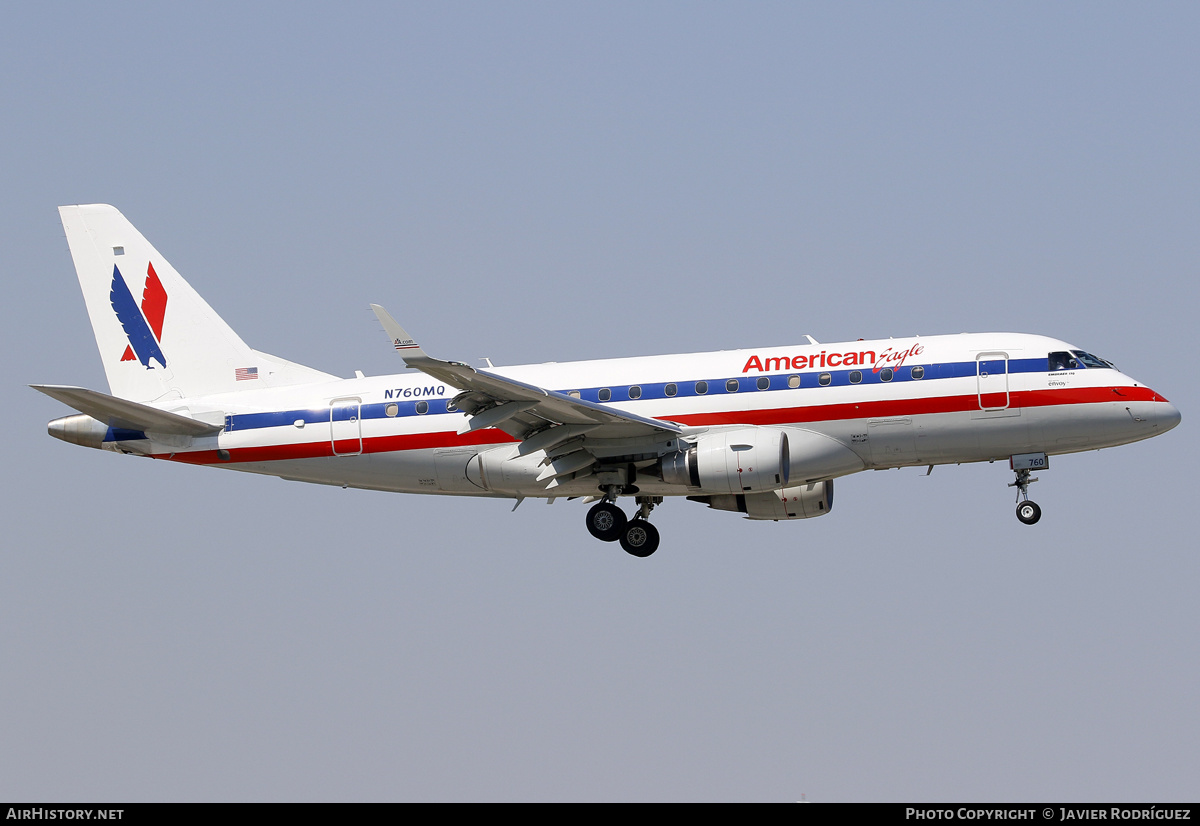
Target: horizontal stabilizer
pixel 125 414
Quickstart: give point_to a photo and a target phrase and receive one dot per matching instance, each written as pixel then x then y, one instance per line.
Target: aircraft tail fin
pixel 157 337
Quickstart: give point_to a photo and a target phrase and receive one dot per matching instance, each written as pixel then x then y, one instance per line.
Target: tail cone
pixel 79 429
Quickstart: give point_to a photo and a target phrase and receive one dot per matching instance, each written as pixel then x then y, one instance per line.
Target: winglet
pixel 451 372
pixel 408 349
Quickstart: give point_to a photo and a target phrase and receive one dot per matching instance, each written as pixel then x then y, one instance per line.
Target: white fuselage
pixel 893 402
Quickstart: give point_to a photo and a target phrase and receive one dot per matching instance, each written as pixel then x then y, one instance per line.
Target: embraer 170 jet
pixel 760 432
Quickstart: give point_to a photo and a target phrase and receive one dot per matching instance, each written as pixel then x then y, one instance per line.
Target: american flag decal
pixel 245 373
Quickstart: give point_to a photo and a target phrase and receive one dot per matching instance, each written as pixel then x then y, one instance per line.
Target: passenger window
pixel 451 406
pixel 824 379
pixel 918 373
pixel 793 382
pixel 885 374
pixel 422 407
pixel 392 409
pixel 855 376
pixel 635 392
pixel 701 388
pixel 731 386
pixel 670 389
pixel 604 395
pixel 574 394
pixel 764 383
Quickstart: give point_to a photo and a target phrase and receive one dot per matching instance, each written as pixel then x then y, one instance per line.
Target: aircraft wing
pixel 123 413
pixel 520 409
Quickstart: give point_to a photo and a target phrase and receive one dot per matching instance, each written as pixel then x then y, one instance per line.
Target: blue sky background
pixel 555 181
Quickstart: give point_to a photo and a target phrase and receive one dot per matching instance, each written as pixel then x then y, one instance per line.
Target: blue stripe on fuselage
pixel 650 392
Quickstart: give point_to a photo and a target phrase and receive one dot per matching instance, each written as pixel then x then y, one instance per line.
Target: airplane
pixel 762 432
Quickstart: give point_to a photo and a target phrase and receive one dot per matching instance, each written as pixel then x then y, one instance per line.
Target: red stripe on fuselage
pixel 888 408
pixel 778 416
pixel 316 450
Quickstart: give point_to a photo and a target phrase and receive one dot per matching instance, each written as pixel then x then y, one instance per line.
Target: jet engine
pixel 752 460
pixel 742 460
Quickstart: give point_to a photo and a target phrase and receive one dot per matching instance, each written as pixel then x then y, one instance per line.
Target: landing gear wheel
pixel 606 522
pixel 1029 512
pixel 640 538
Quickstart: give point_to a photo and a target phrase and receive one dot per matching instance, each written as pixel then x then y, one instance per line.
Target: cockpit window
pixel 1092 361
pixel 1077 360
pixel 1063 361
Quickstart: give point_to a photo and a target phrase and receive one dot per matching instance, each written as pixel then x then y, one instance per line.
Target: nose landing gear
pixel 1028 511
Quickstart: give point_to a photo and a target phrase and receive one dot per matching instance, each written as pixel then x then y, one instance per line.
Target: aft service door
pixel 992 372
pixel 345 429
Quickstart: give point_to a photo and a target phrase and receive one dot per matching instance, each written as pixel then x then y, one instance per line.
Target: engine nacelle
pixel 758 459
pixel 799 502
pixel 743 460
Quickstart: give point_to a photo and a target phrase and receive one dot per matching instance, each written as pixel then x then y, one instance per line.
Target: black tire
pixel 606 522
pixel 639 538
pixel 1029 512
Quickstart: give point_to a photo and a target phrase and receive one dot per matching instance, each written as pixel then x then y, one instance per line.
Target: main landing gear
pixel 637 536
pixel 1027 510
